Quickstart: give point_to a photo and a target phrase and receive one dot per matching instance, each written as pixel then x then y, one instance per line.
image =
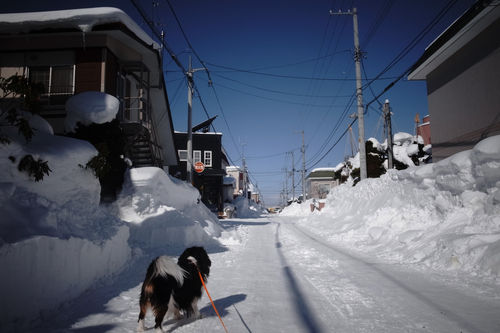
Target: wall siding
pixel 464 102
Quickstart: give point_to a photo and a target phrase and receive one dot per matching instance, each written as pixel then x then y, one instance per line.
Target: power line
pixel 292 77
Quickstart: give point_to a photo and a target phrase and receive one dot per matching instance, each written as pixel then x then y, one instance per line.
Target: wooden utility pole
pixel 189 166
pixel 293 177
pixel 359 92
pixel 304 196
pixel 387 114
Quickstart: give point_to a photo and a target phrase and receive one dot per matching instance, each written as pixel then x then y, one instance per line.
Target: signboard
pixel 199 167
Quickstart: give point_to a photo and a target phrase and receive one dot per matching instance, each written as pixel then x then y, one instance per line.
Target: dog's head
pixel 198 256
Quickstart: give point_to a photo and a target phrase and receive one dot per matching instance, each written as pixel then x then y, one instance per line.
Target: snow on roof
pixel 324 170
pixel 234 168
pixel 82 19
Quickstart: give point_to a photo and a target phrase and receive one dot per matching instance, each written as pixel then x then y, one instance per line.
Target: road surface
pixel 274 276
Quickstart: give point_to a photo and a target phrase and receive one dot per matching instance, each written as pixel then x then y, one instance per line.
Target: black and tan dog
pixel 171 288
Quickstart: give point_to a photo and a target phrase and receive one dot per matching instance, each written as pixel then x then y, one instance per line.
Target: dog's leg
pixel 142 314
pixel 140 326
pixel 196 312
pixel 160 314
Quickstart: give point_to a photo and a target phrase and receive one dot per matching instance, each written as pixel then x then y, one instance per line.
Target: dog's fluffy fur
pixel 174 288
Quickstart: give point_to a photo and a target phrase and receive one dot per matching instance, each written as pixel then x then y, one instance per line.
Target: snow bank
pixel 42 272
pixel 164 211
pixel 65 157
pixel 246 208
pixel 55 239
pixel 444 215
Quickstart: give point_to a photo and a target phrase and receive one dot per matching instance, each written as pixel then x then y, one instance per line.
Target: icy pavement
pixel 275 276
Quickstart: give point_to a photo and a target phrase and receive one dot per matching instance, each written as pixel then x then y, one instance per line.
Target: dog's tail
pixel 167 266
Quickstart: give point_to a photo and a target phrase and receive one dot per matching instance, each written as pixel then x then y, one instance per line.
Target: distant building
pixel 242 187
pixel 319 183
pixel 207 149
pixel 463 79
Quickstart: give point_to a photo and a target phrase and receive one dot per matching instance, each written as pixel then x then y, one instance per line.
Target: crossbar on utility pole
pixel 359 92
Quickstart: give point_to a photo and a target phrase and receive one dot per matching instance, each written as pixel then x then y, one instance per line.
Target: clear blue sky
pixel 279 67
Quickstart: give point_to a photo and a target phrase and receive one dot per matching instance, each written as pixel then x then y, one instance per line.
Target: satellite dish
pixel 204 125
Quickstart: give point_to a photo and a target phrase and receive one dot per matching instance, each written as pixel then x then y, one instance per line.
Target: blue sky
pixel 281 67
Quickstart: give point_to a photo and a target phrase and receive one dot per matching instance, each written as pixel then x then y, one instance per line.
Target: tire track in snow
pixel 379 297
pixel 302 307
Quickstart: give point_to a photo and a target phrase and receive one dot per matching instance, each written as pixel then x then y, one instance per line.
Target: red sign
pixel 199 167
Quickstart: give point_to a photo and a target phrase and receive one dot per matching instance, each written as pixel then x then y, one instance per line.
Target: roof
pixel 322 173
pixel 463 30
pixel 80 19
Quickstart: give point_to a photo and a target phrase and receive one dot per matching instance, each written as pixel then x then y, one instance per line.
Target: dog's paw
pixel 140 326
pixel 178 315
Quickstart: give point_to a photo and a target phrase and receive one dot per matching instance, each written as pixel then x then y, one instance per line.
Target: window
pixel 58 82
pixel 196 156
pixel 208 158
pixel 183 155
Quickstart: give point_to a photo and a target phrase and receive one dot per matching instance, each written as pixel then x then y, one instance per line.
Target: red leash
pixel 201 278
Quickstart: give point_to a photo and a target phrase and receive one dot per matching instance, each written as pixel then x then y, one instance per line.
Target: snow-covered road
pixel 274 276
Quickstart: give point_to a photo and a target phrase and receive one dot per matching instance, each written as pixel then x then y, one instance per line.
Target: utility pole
pixel 286 184
pixel 303 166
pixel 245 178
pixel 189 164
pixel 387 113
pixel 359 92
pixel 293 177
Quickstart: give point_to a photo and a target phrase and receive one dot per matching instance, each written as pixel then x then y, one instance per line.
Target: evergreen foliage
pixel 109 167
pixel 18 90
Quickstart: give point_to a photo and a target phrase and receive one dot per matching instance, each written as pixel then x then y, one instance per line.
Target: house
pixel 424 130
pixel 95 49
pixel 319 182
pixel 463 79
pixel 209 180
pixel 242 187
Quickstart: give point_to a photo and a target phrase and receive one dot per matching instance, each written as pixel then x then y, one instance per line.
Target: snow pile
pixel 246 208
pixel 92 107
pixel 404 147
pixel 55 239
pixel 444 215
pixel 64 156
pixel 164 211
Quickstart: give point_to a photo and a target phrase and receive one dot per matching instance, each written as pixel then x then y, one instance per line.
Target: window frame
pixel 183 152
pixel 196 156
pixel 207 160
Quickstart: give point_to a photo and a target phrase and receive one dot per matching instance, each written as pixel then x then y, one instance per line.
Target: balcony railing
pixel 57 96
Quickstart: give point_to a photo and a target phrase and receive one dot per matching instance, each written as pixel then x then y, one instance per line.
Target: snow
pixel 92 107
pixel 57 241
pixel 81 19
pixel 444 215
pixel 58 244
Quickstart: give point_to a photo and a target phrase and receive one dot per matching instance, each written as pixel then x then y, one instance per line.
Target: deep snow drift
pixel 57 241
pixel 444 215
